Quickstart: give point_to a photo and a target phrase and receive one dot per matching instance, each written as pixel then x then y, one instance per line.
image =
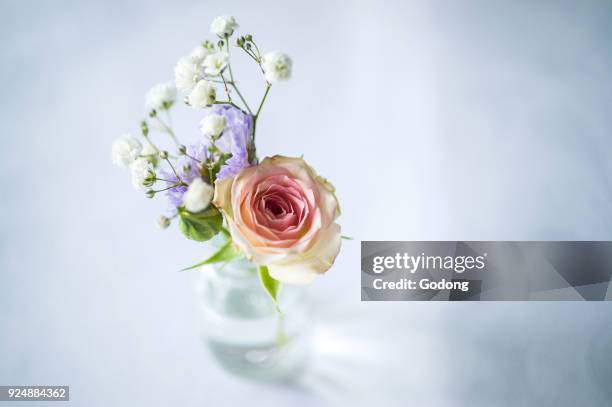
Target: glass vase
pixel 247 334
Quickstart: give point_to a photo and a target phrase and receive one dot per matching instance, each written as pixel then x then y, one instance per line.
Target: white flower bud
pixel 125 150
pixel 186 73
pixel 198 196
pixel 140 170
pixel 215 63
pixel 163 222
pixel 277 66
pixel 213 125
pixel 150 178
pixel 202 95
pixel 223 25
pixel 160 96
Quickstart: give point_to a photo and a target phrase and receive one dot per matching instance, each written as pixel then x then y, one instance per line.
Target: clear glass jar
pixel 245 332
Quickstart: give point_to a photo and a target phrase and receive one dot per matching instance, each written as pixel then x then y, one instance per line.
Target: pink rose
pixel 281 214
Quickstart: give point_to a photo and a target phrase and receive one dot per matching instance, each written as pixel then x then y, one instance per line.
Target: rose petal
pixel 318 260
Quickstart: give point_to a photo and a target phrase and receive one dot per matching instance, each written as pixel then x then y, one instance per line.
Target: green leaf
pixel 200 226
pixel 271 285
pixel 346 237
pixel 226 233
pixel 226 253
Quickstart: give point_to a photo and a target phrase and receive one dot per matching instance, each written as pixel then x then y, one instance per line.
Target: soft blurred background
pixel 435 120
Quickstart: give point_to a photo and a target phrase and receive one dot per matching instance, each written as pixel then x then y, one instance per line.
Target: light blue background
pixel 449 120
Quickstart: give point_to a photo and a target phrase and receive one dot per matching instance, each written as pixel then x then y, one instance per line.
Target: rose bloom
pixel 281 214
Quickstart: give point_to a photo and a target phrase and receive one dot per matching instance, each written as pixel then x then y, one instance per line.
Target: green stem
pixel 268 86
pixel 170 187
pixel 253 152
pixel 217 80
pixel 226 102
pixel 229 97
pixel 193 158
pixel 254 57
pixel 229 65
pixel 168 130
pixel 174 171
pixel 233 82
pixel 151 144
pixel 253 148
pixel 169 118
pixel 165 180
pixel 233 85
pixel 257 48
pixel 258 58
pixel 211 162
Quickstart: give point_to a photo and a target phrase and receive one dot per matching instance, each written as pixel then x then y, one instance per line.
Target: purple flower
pixel 235 139
pixel 187 169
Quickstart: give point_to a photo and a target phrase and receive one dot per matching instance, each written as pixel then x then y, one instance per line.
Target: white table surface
pixel 435 120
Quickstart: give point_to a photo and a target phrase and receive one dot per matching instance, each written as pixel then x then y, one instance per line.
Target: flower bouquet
pixel 275 212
